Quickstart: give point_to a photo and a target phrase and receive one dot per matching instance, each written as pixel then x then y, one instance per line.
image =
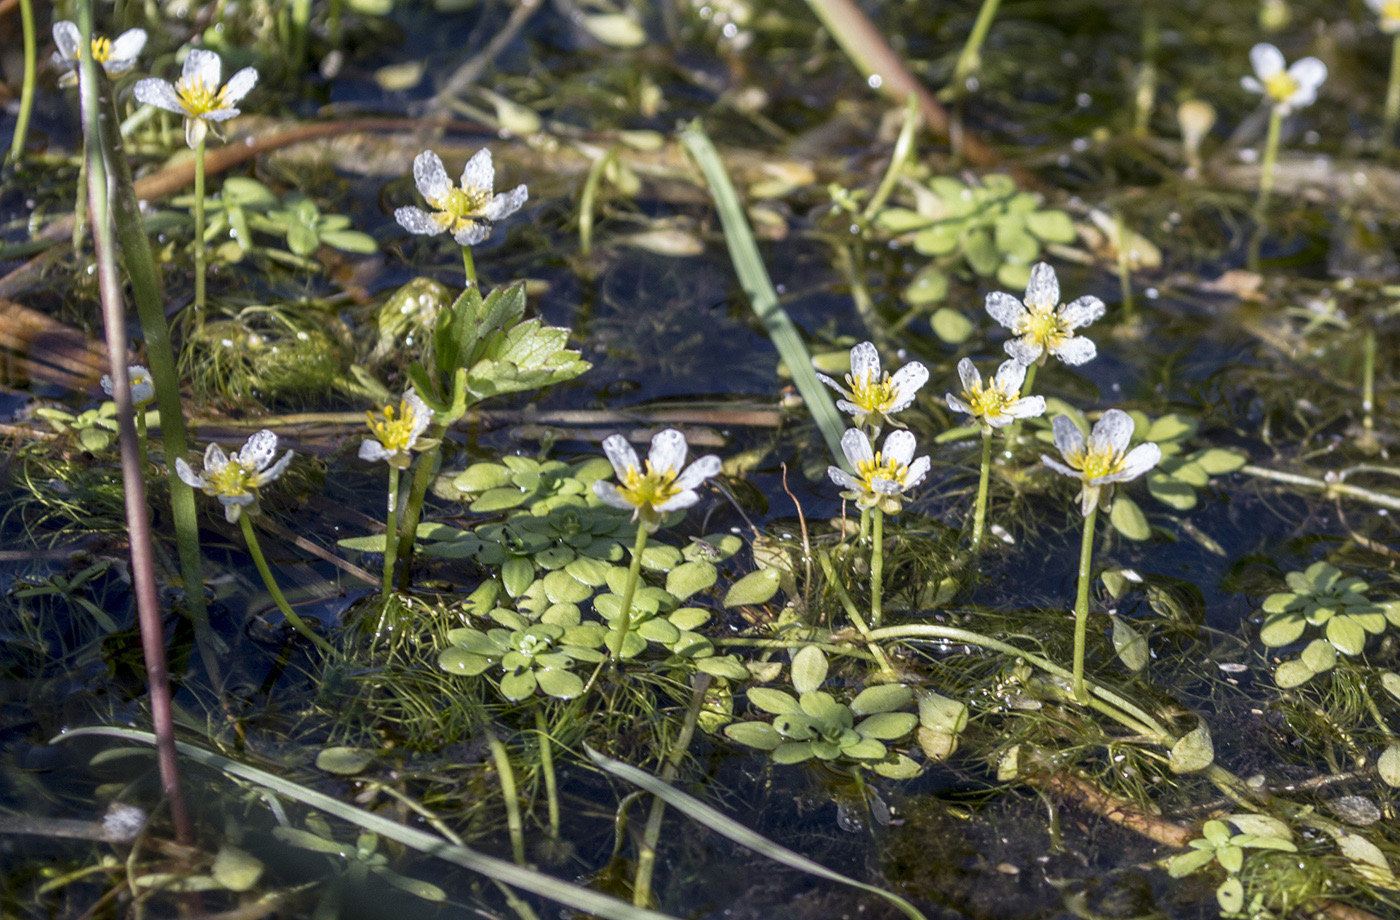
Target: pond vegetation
pixel 669 517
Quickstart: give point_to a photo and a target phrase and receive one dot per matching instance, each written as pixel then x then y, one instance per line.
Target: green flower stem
pixel 1392 94
pixel 877 566
pixel 413 508
pixel 979 511
pixel 646 853
pixel 852 612
pixel 970 61
pixel 507 774
pixel 140 414
pixel 903 151
pixel 250 536
pixel 1266 169
pixel 26 93
pixel 1081 603
pixel 199 255
pixel 551 782
pixel 634 571
pixel 391 539
pixel 469 266
pixel 864 525
pixel 1368 382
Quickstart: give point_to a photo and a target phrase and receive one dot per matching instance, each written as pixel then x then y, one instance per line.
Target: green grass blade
pixel 507 873
pixel 722 824
pixel 753 275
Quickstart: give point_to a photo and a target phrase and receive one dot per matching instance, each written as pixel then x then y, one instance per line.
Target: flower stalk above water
pixel 1099 465
pixel 143 393
pixel 398 432
pixel 1284 90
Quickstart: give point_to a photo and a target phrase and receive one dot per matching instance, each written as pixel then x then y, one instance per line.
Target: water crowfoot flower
pixel 1284 89
pixel 197 95
pixel 1099 465
pixel 882 478
pixel 397 432
pixel 143 389
pixel 874 395
pixel 466 210
pixel 235 480
pixel 1387 15
pixel 1043 325
pixel 116 57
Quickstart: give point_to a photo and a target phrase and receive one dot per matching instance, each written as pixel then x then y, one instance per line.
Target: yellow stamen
pixel 872 392
pixel 1045 328
pixel 1095 464
pixel 199 98
pixel 460 208
pixel 1280 87
pixel 648 489
pixel 232 479
pixel 879 468
pixel 394 432
pixel 101 49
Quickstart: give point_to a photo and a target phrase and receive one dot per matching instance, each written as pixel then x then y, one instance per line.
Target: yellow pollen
pixel 872 392
pixel 989 402
pixel 233 479
pixel 649 489
pixel 197 98
pixel 395 433
pixel 1095 464
pixel 462 203
pixel 1280 87
pixel 879 468
pixel 1045 328
pixel 101 49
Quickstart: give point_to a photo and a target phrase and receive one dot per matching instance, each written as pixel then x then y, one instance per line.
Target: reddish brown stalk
pixel 143 574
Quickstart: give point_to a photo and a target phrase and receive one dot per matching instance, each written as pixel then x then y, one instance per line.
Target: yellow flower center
pixel 879 468
pixel 989 402
pixel 394 430
pixel 232 479
pixel 101 49
pixel 1094 464
pixel 873 392
pixel 1390 16
pixel 199 98
pixel 1045 328
pixel 649 489
pixel 1280 87
pixel 460 207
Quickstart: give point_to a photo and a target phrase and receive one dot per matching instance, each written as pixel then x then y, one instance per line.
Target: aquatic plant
pixel 874 397
pixel 116 57
pixel 1218 845
pixel 1322 598
pixel 466 210
pixel 1284 90
pixel 1099 465
pixel 397 435
pixel 143 393
pixel 998 404
pixel 203 101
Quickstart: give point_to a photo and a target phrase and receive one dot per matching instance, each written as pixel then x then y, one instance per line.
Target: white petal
pixel 67 37
pixel 678 501
pixel 1266 59
pixel 506 203
pixel 620 454
pixel 238 86
pixel 834 385
pixel 609 495
pixel 967 373
pixel 1309 72
pixel 373 451
pixel 1028 407
pixel 214 458
pixel 856 446
pixel 1023 351
pixel 416 220
pixel 865 362
pixel 916 472
pixel 159 93
pixel 472 232
pixel 1068 438
pixel 844 479
pixel 422 415
pixel 127 46
pixel 1082 312
pixel 1139 460
pixel 1251 84
pixel 1076 350
pixel 1088 498
pixel 1376 5
pixel 905 383
pixel 430 176
pixel 217 115
pixel 106 382
pixel 479 174
pixel 1112 432
pixel 1059 467
pixel 667 452
pixel 851 409
pixel 1043 292
pixel 1005 309
pixel 957 405
pixel 899 446
pixel 259 450
pixel 1010 376
pixel 203 65
pixel 275 471
pixel 188 475
pixel 698 472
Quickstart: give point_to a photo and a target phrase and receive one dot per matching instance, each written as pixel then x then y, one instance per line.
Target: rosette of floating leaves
pixel 531 655
pixel 814 724
pixel 872 396
pixel 1227 848
pixel 989 226
pixel 1322 598
pixel 116 57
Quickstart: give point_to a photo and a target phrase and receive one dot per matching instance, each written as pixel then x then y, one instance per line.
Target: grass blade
pixel 726 826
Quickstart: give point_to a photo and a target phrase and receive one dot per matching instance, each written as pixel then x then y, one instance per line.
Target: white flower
pixel 396 435
pixel 1102 463
pixel 116 57
pixel 234 480
pixel 881 479
pixel 873 394
pixel 1387 15
pixel 466 211
pixel 662 486
pixel 143 388
pixel 1285 89
pixel 999 403
pixel 197 94
pixel 1044 326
